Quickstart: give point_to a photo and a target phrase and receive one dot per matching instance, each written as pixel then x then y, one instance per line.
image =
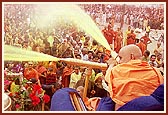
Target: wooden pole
pixel 88 72
pixel 76 101
pixel 72 100
pixel 83 63
pixel 85 88
pixel 42 107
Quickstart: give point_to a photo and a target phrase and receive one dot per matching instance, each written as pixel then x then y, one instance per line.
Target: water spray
pixel 72 13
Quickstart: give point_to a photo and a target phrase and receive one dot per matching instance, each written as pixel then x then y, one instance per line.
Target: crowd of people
pixel 136 16
pixel 65 40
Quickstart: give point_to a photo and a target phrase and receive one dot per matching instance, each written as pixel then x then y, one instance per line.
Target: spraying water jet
pixel 73 13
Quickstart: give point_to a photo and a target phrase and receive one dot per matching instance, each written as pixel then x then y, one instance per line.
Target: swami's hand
pixel 112 62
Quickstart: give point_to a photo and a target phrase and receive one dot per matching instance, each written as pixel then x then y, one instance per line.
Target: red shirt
pixel 108 34
pixel 146 39
pixel 51 79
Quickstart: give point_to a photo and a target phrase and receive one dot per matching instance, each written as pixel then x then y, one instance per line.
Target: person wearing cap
pixel 100 90
pixel 132 77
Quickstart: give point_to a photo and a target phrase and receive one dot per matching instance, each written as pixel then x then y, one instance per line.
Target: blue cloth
pixel 106 104
pixel 158 94
pixel 61 100
pixel 146 103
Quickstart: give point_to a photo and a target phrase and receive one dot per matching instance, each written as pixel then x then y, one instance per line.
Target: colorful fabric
pixel 66 76
pixel 153 102
pixel 130 80
pixel 61 100
pixel 142 46
pixel 131 38
pixel 14 88
pixel 73 79
pixel 41 69
pixel 106 104
pixel 51 79
pixel 146 39
pixel 28 74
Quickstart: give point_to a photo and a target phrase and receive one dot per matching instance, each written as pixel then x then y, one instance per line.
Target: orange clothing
pixel 41 69
pixel 92 103
pixel 52 64
pixel 118 43
pixel 108 34
pixel 105 33
pixel 112 35
pixel 131 38
pixel 142 46
pixel 130 80
pixel 28 74
pixel 66 76
pixel 146 39
pixel 41 73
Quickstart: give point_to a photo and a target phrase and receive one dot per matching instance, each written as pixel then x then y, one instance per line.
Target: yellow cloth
pixel 74 78
pixel 100 49
pixel 83 39
pixel 14 88
pixel 147 28
pixel 92 78
pixel 125 37
pixel 94 47
pixel 98 75
pixel 50 39
pixel 127 32
pixel 130 80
